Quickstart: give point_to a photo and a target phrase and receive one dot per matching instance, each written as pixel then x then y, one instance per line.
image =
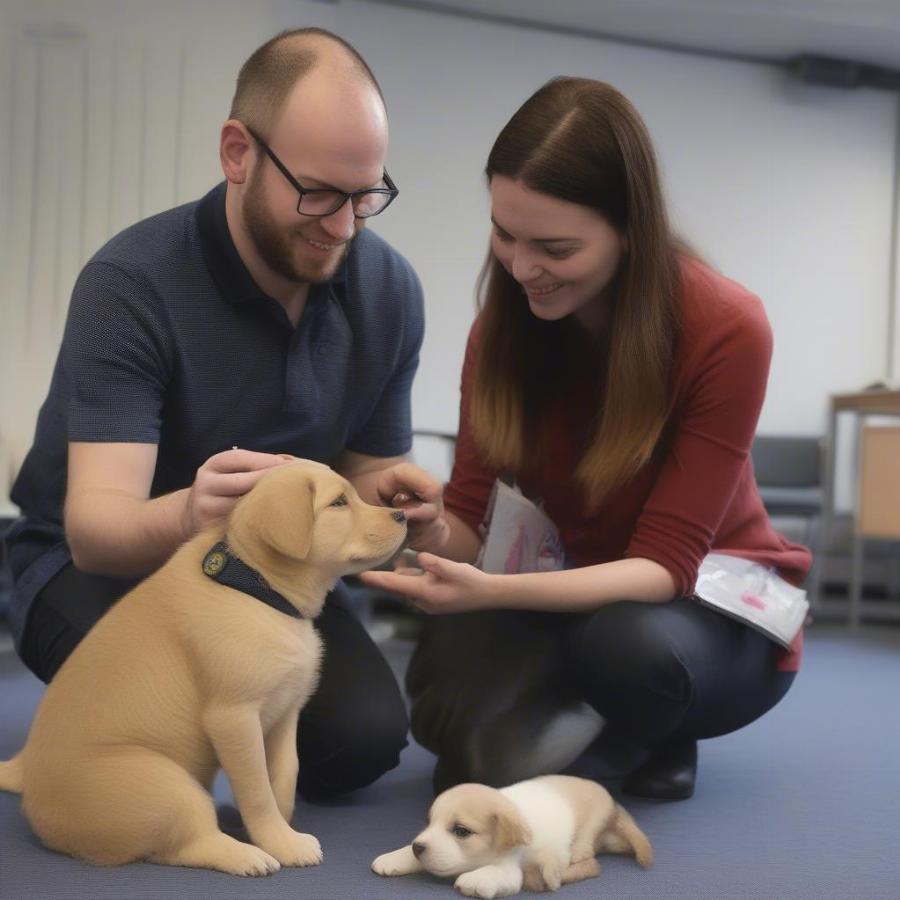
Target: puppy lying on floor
pixel 204 664
pixel 539 834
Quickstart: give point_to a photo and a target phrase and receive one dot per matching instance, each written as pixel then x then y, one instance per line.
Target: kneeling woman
pixel 619 380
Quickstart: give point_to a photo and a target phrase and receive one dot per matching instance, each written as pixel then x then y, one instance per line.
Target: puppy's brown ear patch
pixel 295 518
pixel 510 829
pixel 280 511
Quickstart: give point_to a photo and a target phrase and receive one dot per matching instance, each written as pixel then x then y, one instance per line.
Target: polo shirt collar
pixel 231 276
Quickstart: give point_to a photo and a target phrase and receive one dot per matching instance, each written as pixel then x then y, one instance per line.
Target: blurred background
pixel 776 126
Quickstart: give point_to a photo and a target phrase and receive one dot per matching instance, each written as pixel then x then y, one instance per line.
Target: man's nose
pixel 341 223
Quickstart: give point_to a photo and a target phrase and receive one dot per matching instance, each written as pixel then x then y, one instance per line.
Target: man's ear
pixel 235 151
pixel 279 512
pixel 509 828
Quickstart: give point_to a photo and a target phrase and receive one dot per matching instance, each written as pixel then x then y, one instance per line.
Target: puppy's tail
pixel 12 776
pixel 624 836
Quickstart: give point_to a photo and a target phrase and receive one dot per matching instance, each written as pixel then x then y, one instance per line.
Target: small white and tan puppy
pixel 189 672
pixel 537 834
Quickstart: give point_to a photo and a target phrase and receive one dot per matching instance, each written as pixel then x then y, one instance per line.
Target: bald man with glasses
pixel 216 340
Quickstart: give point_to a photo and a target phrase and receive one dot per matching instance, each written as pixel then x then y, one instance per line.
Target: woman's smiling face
pixel 564 255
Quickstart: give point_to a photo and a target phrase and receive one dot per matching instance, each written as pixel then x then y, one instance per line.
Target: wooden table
pixel 861 406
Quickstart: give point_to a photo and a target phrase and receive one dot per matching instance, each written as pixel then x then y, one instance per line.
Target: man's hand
pixel 420 495
pixel 113 527
pixel 221 481
pixel 438 586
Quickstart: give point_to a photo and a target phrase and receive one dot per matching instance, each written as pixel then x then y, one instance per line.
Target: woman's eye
pixel 559 254
pixel 461 831
pixel 502 236
pixel 341 501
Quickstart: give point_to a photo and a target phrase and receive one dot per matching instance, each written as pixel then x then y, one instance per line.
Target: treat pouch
pixel 754 594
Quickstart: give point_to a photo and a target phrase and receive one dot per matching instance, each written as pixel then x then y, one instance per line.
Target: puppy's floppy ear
pixel 510 829
pixel 279 511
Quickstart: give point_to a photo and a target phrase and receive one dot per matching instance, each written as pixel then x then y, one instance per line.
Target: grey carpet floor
pixel 802 804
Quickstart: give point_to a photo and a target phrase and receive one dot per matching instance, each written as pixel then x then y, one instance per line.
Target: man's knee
pixel 64 611
pixel 355 751
pixel 47 643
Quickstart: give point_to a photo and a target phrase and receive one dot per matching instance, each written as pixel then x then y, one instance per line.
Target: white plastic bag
pixel 753 594
pixel 518 536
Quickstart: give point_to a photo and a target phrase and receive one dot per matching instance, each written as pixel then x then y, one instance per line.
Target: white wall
pixel 110 111
pixel 787 188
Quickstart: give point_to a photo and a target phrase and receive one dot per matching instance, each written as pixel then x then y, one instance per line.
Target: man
pixel 213 341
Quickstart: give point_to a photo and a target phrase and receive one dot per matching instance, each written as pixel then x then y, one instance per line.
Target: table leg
pixel 857 561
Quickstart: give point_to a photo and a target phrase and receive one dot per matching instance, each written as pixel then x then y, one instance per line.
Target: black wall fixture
pixel 843 73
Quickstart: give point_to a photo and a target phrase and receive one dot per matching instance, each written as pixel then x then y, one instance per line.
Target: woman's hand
pixel 445 587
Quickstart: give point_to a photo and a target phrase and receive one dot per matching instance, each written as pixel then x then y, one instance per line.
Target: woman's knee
pixel 628 644
pixel 627 662
pixel 675 668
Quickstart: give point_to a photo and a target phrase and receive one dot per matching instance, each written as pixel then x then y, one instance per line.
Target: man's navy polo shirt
pixel 169 341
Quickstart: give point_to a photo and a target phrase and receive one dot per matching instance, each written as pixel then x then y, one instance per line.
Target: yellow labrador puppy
pixel 539 834
pixel 206 663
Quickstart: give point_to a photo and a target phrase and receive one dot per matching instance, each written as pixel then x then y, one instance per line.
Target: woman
pixel 619 380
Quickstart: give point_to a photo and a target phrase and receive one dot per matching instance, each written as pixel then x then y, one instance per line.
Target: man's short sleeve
pixel 396 328
pixel 114 354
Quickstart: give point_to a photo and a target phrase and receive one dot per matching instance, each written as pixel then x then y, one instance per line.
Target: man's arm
pixel 111 526
pixel 114 528
pixel 366 472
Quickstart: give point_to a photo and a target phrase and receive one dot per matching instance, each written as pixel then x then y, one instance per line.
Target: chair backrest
pixel 789 461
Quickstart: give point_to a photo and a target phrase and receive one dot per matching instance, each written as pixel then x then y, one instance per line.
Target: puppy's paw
pixel 532 880
pixel 480 883
pixel 251 861
pixel 546 876
pixel 587 868
pixel 397 862
pixel 551 874
pixel 224 853
pixel 241 859
pixel 292 848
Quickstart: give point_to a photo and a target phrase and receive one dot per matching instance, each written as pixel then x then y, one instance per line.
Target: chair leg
pixel 856 579
pixel 818 544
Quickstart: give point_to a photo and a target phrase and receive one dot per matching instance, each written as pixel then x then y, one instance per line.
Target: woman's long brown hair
pixel 581 141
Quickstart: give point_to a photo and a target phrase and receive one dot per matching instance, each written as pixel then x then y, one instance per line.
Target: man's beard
pixel 275 246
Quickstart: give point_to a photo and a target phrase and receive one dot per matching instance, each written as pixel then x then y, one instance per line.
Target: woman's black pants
pixel 485 685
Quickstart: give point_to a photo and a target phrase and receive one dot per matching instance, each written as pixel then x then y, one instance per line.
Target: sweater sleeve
pixel 721 387
pixel 471 481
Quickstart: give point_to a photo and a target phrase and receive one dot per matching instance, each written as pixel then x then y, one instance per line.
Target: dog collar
pixel 223 566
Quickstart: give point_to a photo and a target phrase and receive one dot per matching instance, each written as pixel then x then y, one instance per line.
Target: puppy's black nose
pixel 418 849
pixel 398 515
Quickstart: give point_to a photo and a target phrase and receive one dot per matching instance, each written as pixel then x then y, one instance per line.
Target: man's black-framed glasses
pixel 320 202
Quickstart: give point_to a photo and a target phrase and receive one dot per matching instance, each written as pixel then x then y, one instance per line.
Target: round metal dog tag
pixel 214 562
